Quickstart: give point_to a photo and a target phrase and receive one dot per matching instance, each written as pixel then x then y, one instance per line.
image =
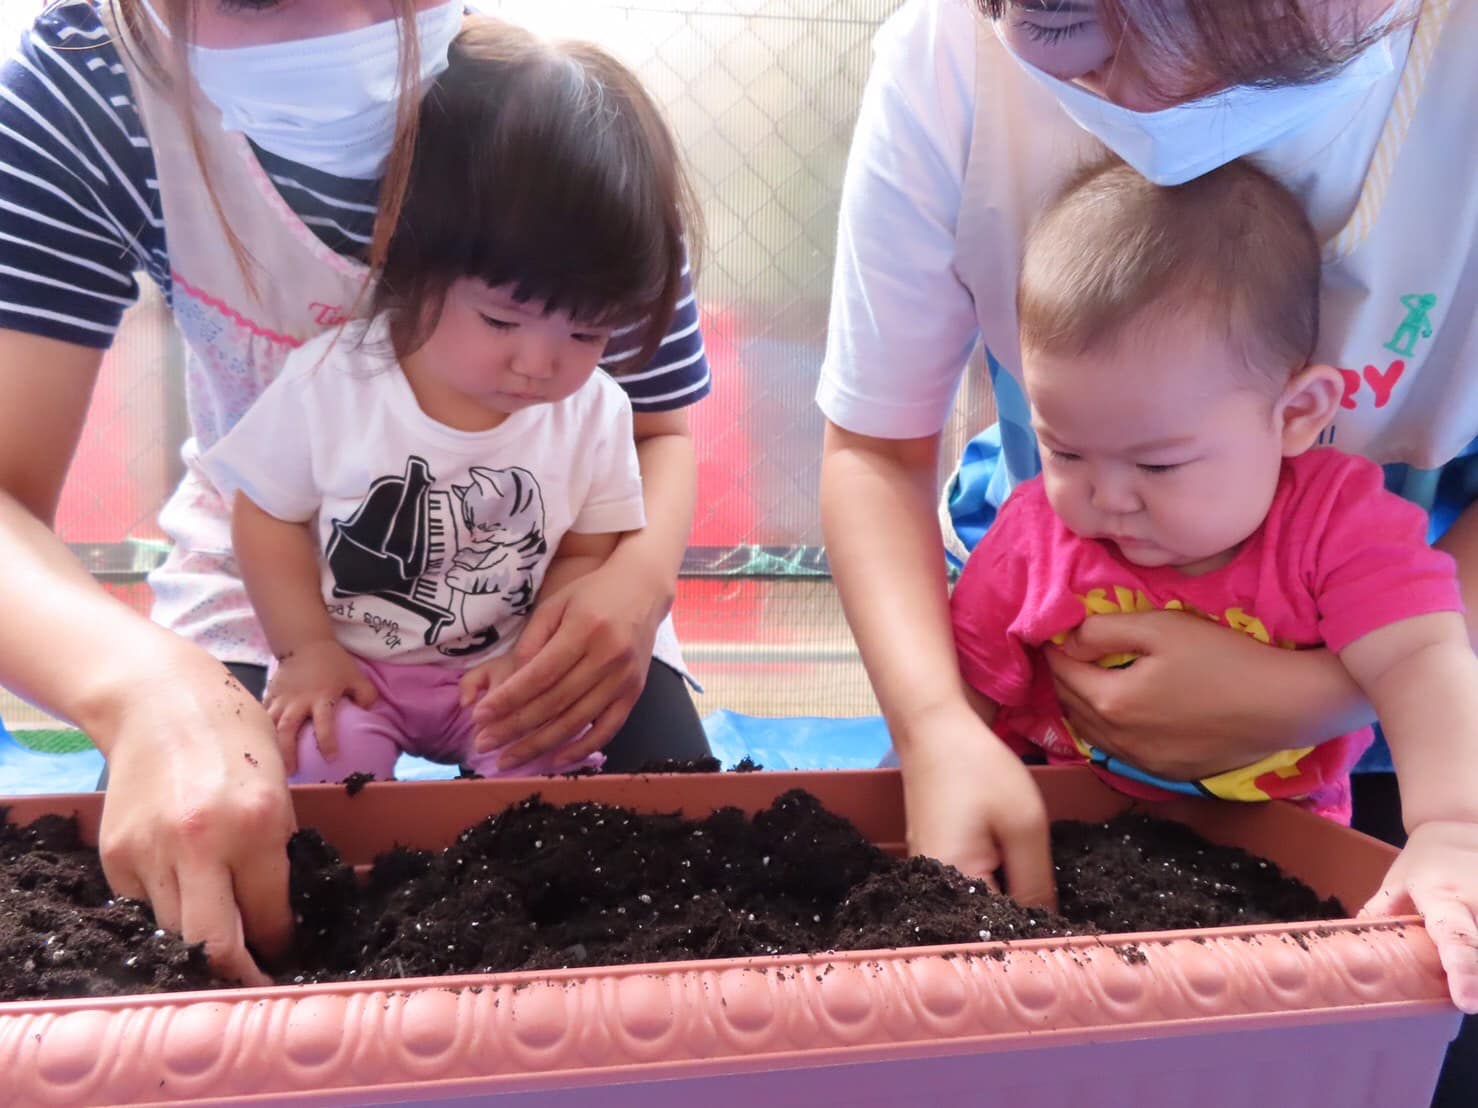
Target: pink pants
pixel 418 712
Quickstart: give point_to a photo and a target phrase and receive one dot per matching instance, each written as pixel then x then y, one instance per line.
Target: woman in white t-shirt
pixel 975 113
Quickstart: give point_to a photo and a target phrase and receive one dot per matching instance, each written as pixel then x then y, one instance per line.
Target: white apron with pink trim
pixel 237 334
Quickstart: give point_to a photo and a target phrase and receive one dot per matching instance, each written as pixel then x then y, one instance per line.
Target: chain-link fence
pixel 763 95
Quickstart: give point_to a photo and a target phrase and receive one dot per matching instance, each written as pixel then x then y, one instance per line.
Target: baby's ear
pixel 1308 405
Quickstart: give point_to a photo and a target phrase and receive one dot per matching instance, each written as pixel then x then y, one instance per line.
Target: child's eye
pixel 1051 36
pixel 1063 456
pixel 1161 469
pixel 498 324
pixel 594 338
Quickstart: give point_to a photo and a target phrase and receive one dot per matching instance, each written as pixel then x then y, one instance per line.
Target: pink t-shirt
pixel 1337 557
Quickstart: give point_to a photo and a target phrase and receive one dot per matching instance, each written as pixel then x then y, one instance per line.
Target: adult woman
pixel 974 115
pixel 250 155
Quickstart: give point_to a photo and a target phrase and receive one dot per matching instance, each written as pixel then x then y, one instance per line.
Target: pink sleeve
pixel 1373 566
pixel 985 604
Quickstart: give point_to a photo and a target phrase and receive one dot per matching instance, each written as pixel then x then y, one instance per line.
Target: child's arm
pixel 1422 677
pixel 279 565
pixel 578 555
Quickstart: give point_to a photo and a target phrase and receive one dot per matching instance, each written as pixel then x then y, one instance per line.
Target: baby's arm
pixel 1422 677
pixel 279 565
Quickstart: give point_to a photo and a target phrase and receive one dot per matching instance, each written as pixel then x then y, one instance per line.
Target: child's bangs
pixel 585 225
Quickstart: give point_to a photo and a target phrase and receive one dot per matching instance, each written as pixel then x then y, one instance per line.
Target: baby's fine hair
pixel 545 166
pixel 1231 250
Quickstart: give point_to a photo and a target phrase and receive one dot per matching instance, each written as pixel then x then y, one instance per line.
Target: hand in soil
pixel 582 660
pixel 972 804
pixel 1436 876
pixel 197 816
pixel 308 684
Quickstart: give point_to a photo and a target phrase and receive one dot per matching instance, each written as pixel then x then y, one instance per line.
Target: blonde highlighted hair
pixel 1231 250
pixel 166 61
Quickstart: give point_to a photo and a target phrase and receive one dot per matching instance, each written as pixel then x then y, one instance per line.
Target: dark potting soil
pixel 540 887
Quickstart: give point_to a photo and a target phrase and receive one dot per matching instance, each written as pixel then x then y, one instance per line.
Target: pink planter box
pixel 1339 1014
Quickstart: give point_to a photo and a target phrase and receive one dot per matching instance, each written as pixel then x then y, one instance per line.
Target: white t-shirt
pixel 433 541
pixel 911 297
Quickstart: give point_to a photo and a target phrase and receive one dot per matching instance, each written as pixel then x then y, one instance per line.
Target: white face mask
pixel 327 102
pixel 1180 143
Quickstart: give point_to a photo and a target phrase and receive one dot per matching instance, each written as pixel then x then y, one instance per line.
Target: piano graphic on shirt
pixel 396 546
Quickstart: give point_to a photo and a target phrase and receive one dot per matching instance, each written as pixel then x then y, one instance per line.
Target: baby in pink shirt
pixel 1166 340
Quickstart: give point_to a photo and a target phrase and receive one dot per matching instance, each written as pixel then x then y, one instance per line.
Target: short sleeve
pixel 614 502
pixel 1373 566
pixel 902 324
pixel 80 206
pixel 268 455
pixel 985 605
pixel 677 374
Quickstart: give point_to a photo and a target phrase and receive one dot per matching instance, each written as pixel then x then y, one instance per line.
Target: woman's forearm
pixel 65 644
pixel 1321 703
pixel 886 556
pixel 669 471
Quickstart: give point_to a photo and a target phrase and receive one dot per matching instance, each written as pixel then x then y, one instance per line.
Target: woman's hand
pixel 1436 875
pixel 309 682
pixel 1201 698
pixel 197 815
pixel 475 683
pixel 972 804
pixel 582 659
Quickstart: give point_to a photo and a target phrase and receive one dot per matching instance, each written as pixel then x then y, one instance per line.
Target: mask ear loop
pixel 1424 37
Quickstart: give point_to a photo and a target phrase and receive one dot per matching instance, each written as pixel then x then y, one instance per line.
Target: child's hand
pixel 1437 876
pixel 972 804
pixel 480 680
pixel 309 682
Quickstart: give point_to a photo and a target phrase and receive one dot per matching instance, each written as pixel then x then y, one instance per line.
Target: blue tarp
pixel 784 743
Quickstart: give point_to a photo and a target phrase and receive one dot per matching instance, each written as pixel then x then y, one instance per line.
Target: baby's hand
pixel 482 678
pixel 1437 876
pixel 309 682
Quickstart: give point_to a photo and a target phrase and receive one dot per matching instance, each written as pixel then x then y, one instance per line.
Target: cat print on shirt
pixel 464 560
pixel 502 514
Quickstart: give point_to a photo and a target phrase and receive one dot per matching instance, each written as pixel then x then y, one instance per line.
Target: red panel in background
pixel 124 466
pixel 717 608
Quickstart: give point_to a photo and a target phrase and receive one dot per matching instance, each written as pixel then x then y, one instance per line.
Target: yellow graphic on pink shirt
pixel 1258 781
pixel 1121 599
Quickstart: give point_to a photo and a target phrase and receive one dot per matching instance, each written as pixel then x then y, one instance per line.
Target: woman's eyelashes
pixel 1051 36
pixel 229 6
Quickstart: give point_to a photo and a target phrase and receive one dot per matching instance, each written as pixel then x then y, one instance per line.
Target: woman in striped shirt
pixel 240 153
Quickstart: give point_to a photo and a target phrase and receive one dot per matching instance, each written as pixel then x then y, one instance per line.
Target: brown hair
pixel 547 167
pixel 179 17
pixel 1232 249
pixel 1187 48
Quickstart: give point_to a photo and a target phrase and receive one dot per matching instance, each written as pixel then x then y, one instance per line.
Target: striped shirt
pixel 80 212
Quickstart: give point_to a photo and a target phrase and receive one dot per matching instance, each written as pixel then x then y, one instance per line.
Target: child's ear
pixel 1308 405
